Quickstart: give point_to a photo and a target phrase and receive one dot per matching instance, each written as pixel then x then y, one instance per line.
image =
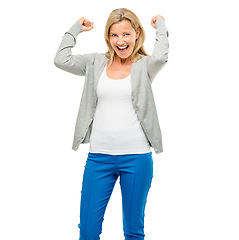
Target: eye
pixel 113 35
pixel 127 34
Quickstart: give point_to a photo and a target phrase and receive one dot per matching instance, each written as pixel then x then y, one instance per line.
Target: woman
pixel 117 116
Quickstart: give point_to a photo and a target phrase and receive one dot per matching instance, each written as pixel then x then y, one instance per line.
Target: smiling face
pixel 122 38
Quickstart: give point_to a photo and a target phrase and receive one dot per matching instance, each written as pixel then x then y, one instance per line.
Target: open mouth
pixel 123 49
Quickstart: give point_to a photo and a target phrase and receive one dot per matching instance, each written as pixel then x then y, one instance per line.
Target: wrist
pixel 75 29
pixel 160 26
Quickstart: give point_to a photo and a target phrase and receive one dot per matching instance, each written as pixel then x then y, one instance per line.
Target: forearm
pixel 161 44
pixel 64 59
pixel 159 55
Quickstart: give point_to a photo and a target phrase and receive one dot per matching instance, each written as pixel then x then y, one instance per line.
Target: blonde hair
pixel 116 16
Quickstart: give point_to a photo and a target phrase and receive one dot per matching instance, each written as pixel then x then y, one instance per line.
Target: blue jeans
pixel 100 174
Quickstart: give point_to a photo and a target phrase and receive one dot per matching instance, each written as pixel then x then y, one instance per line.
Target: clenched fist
pixel 86 24
pixel 154 19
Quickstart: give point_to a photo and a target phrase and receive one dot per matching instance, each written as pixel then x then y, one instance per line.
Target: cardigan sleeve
pixel 64 59
pixel 159 56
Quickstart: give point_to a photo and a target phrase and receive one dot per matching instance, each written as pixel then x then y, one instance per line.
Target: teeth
pixel 122 47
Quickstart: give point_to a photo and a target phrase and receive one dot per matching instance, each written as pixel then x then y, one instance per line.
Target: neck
pixel 123 61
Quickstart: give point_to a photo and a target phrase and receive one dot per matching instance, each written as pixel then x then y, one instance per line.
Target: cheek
pixel 112 43
pixel 132 43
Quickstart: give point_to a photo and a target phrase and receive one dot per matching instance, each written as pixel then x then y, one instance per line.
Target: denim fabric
pixel 101 172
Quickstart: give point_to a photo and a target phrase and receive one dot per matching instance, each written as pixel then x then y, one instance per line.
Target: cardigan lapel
pixel 98 71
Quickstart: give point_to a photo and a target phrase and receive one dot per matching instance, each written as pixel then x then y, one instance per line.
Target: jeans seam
pixel 131 202
pixel 86 225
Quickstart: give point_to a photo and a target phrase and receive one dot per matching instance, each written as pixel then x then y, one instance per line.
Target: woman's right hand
pixel 86 24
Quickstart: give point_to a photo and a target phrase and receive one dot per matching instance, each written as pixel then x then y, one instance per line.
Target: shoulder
pixel 95 57
pixel 142 60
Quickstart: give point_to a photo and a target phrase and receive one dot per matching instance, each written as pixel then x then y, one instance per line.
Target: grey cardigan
pixel 142 74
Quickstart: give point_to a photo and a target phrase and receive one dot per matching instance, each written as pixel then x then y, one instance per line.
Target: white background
pixel 194 193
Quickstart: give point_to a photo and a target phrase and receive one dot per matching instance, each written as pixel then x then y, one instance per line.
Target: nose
pixel 120 40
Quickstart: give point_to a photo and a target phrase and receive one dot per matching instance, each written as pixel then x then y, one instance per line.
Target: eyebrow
pixel 115 33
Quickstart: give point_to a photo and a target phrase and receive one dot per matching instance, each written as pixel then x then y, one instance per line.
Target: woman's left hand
pixel 154 19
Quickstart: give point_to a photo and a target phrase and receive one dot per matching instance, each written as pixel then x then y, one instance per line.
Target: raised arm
pixel 64 59
pixel 159 56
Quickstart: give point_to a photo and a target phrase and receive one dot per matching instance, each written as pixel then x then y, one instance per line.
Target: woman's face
pixel 122 38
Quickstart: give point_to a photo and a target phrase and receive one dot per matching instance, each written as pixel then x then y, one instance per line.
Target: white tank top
pixel 116 128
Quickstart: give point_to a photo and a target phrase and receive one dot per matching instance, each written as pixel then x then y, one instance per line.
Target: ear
pixel 138 33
